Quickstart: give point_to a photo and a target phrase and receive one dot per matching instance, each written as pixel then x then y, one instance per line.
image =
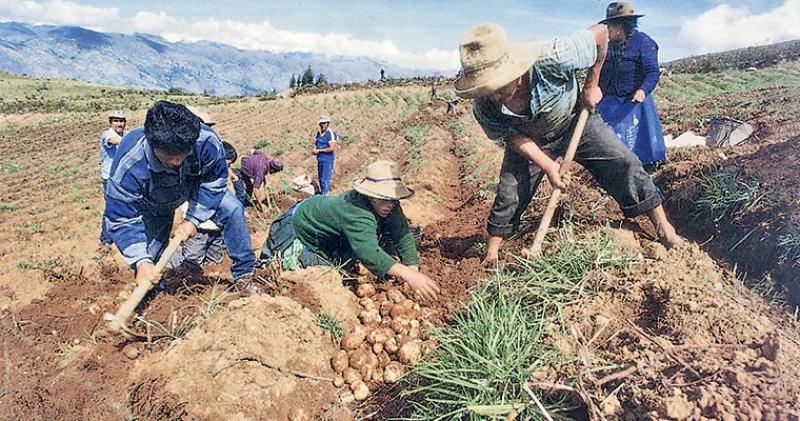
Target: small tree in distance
pixel 292 81
pixel 308 76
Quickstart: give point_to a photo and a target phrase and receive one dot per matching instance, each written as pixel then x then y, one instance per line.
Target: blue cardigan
pixel 630 66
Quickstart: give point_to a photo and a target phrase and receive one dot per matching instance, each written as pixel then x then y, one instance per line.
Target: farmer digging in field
pixel 174 158
pixel 365 224
pixel 525 97
pixel 325 142
pixel 109 140
pixel 253 173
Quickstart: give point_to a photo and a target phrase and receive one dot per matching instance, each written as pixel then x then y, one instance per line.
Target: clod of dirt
pixel 677 407
pixel 266 351
pixel 771 346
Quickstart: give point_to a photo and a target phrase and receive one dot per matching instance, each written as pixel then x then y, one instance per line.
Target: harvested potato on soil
pixel 386 307
pixel 395 295
pixel 377 336
pixel 377 348
pixel 369 317
pixel 384 359
pixel 338 381
pixel 410 352
pixel 352 340
pixel 367 303
pixel 393 371
pixel 339 362
pixel 391 346
pixel 360 390
pixel 365 290
pixel 351 375
pixel 361 357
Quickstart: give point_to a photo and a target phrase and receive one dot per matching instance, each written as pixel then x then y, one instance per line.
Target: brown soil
pixel 691 341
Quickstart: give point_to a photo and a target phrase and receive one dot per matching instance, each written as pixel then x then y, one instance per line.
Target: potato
pixel 367 372
pixel 365 290
pixel 429 346
pixel 391 346
pixel 403 310
pixel 393 372
pixel 367 303
pixel 368 317
pixel 377 348
pixel 338 381
pixel 377 336
pixel 339 362
pixel 377 375
pixel 413 333
pixel 398 327
pixel 359 358
pixel 386 307
pixel 351 375
pixel 395 295
pixel 347 397
pixel 384 359
pixel 410 352
pixel 360 390
pixel 352 340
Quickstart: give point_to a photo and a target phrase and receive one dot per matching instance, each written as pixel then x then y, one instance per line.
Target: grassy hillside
pixel 759 56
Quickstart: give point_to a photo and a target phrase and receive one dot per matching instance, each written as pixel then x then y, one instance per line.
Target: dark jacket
pixel 630 66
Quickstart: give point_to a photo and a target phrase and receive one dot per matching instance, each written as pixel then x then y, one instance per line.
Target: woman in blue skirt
pixel 629 76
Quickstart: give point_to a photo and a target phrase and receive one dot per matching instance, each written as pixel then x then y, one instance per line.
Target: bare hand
pixel 315 152
pixel 638 96
pixel 145 271
pixel 591 97
pixel 555 177
pixel 422 284
pixel 186 230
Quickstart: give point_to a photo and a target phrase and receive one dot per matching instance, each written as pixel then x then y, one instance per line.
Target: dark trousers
pixel 613 166
pixel 105 236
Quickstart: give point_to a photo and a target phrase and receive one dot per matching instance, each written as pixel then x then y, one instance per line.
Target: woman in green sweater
pixel 353 226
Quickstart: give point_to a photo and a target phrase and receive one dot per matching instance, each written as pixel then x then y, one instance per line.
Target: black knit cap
pixel 171 127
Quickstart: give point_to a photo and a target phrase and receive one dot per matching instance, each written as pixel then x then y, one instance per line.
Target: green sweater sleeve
pixel 362 235
pixel 402 237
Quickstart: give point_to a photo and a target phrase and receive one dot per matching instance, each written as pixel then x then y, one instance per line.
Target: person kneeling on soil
pixel 174 158
pixel 365 224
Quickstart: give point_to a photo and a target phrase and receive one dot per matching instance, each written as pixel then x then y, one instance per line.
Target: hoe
pixel 536 248
pixel 117 322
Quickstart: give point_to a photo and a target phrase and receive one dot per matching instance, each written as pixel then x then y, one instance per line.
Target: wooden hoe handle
pixel 117 321
pixel 536 248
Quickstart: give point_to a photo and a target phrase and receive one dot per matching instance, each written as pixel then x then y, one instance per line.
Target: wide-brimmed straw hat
pixel 619 9
pixel 383 182
pixel 489 61
pixel 202 115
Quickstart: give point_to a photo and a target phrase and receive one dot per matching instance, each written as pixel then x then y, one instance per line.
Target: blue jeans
pixel 105 237
pixel 325 172
pixel 229 217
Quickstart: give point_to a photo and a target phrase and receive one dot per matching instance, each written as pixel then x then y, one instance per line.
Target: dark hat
pixel 171 127
pixel 619 9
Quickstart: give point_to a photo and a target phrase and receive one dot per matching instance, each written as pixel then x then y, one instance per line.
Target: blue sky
pixel 414 33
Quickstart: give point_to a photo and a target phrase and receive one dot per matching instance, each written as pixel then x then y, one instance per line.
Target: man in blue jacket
pixel 172 159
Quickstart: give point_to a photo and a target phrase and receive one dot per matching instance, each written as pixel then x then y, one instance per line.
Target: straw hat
pixel 619 9
pixel 490 62
pixel 202 115
pixel 383 182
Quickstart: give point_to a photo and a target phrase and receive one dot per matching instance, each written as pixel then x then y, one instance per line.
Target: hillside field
pixel 607 325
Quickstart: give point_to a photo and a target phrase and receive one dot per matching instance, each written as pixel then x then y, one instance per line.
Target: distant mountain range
pixel 148 61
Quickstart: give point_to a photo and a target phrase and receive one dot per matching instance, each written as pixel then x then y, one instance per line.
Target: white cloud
pixel 250 36
pixel 726 27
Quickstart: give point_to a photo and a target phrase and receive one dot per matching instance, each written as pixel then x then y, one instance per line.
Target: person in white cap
pixel 325 142
pixel 526 97
pixel 109 140
pixel 365 225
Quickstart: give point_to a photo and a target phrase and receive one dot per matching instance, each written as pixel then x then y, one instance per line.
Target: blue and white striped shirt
pixel 141 185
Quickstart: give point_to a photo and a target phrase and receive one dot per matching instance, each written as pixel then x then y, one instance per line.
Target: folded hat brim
pixel 522 56
pixel 383 191
pixel 606 20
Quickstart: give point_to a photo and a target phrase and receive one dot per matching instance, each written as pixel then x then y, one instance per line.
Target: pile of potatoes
pixel 389 338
